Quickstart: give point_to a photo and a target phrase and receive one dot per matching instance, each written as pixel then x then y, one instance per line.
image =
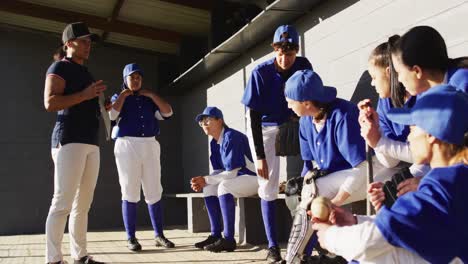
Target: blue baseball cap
pixel 441 112
pixel 306 85
pixel 129 69
pixel 211 111
pixel 292 36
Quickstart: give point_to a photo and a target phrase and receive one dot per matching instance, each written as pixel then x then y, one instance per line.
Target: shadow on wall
pixel 364 90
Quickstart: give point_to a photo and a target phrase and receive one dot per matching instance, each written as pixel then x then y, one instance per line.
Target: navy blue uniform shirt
pixel 137 117
pixel 79 123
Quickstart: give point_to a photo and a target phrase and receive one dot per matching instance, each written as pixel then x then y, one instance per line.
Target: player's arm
pixel 257 136
pixel 54 100
pixel 164 107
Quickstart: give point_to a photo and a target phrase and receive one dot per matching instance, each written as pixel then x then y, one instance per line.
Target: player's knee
pixel 131 198
pixel 224 188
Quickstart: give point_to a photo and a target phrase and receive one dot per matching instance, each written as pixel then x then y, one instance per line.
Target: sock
pixel 214 214
pixel 156 215
pixel 269 221
pixel 129 217
pixel 311 244
pixel 228 209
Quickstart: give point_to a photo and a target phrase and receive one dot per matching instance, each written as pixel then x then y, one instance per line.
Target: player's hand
pixel 376 195
pixel 408 185
pixel 321 229
pixel 94 90
pixel 126 92
pixel 341 217
pixel 369 122
pixel 197 183
pixel 262 168
pixel 107 104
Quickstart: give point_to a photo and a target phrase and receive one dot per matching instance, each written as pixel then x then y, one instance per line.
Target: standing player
pixel 72 91
pixel 233 176
pixel 267 109
pixel 137 152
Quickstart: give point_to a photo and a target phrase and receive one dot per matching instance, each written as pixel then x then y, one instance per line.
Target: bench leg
pixel 197 217
pixel 240 220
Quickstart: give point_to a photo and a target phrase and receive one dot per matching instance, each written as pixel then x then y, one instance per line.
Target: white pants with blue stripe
pixel 139 166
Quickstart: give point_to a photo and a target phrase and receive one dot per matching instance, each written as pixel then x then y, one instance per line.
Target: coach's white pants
pixel 138 164
pixel 76 171
pixel 240 186
pixel 268 189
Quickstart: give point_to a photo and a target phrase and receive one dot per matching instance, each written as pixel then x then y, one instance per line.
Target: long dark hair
pixel 324 108
pixel 381 57
pixel 425 47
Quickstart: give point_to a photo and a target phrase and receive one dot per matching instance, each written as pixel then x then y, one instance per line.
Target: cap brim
pixel 92 36
pixel 130 73
pixel 199 117
pixel 400 116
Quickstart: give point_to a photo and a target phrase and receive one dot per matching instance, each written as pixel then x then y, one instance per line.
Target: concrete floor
pixel 110 246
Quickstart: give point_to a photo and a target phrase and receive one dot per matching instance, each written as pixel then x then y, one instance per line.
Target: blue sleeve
pixel 252 97
pixel 414 222
pixel 460 80
pixel 382 109
pixel 58 68
pixel 306 154
pixel 307 167
pixel 215 157
pixel 233 153
pixel 349 141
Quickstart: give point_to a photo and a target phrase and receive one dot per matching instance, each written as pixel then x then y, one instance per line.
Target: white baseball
pixel 321 208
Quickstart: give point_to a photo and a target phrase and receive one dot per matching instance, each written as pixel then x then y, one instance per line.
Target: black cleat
pixel 87 260
pixel 133 244
pixel 222 245
pixel 162 241
pixel 209 240
pixel 274 255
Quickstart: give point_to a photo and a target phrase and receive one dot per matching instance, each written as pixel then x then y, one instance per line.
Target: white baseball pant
pixel 138 164
pixel 240 186
pixel 267 189
pixel 76 168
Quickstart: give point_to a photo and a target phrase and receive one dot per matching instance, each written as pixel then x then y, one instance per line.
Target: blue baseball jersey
pixel 458 77
pixel 232 152
pixel 78 123
pixel 433 221
pixel 391 129
pixel 265 91
pixel 137 117
pixel 339 145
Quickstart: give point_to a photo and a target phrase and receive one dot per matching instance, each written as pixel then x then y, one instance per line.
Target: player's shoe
pixel 133 244
pixel 274 255
pixel 87 260
pixel 209 240
pixel 222 245
pixel 162 241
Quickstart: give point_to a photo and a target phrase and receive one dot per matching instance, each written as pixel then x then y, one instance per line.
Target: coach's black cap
pixel 77 30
